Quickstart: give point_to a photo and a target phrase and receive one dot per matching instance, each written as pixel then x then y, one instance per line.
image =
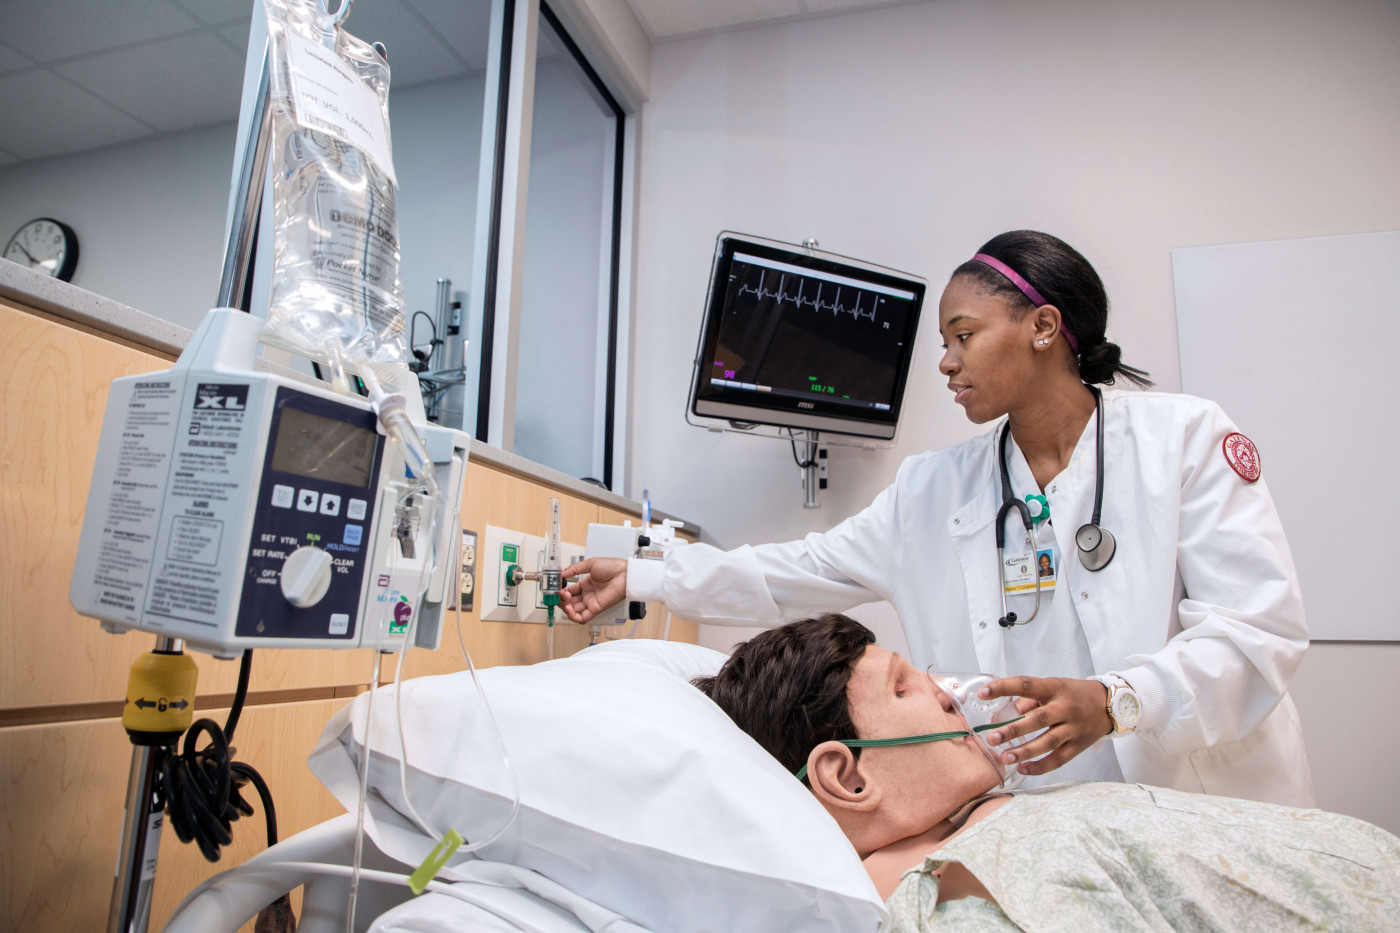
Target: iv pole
pixel 135 879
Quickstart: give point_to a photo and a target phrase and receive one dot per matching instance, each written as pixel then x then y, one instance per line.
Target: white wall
pixel 910 135
pixel 149 217
pixel 437 145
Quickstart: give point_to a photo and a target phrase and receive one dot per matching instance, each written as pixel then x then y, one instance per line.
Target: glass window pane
pixel 562 398
pixel 126 133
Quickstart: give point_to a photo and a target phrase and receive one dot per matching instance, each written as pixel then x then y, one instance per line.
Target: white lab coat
pixel 1200 609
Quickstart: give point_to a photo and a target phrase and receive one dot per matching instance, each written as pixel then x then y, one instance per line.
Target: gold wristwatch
pixel 1124 707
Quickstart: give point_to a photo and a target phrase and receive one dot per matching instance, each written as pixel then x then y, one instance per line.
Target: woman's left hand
pixel 1073 713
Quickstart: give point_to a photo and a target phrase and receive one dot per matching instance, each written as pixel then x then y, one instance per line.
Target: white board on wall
pixel 1299 342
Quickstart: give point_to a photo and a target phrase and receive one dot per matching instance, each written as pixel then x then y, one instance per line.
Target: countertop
pixel 26 287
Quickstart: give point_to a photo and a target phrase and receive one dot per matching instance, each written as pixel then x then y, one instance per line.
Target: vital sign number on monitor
pixel 803 339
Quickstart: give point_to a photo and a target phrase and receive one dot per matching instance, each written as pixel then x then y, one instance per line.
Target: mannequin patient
pixel 946 849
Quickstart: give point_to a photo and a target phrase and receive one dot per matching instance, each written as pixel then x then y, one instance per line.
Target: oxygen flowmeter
pixel 239 509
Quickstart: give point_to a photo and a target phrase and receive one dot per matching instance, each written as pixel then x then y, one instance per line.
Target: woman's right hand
pixel 604 587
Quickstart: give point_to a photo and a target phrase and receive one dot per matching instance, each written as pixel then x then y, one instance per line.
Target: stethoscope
pixel 1096 545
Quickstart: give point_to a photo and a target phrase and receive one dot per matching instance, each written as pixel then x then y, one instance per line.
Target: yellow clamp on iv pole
pixel 159 697
pixel 158 709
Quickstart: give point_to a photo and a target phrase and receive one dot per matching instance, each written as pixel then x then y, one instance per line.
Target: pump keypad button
pixel 307 500
pixel 282 496
pixel 355 511
pixel 330 504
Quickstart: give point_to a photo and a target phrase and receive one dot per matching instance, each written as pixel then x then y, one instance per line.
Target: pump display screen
pixel 324 448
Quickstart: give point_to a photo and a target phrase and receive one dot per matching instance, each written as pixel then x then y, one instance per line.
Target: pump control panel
pixel 236 509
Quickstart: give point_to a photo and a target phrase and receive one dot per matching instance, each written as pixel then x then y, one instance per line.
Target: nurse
pixel 1178 635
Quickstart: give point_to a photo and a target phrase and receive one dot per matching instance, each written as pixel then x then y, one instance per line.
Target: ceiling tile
pixel 44 115
pixel 219 12
pixel 174 84
pixel 54 29
pixel 12 60
pixel 416 56
pixel 666 18
pixel 464 24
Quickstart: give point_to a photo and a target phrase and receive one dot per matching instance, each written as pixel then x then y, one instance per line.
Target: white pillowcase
pixel 636 792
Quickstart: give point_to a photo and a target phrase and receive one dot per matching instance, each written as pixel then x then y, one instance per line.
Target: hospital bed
pixel 641 808
pixel 232 898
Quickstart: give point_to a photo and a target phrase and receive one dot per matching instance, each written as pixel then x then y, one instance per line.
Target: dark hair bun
pixel 1099 363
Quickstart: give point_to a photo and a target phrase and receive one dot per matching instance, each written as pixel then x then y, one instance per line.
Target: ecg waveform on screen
pixel 825 296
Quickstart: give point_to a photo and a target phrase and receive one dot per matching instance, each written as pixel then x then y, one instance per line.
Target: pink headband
pixel 1026 289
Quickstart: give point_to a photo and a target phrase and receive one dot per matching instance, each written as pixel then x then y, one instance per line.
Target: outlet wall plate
pixel 466 585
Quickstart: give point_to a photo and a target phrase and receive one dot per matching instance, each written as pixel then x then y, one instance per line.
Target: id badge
pixel 1020 571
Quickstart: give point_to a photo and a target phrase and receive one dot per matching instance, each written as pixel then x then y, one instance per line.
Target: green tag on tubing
pixel 418 881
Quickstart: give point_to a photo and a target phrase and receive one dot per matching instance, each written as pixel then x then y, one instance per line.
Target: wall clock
pixel 47 246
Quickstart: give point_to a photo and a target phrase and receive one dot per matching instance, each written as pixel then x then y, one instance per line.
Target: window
pixel 565 392
pixel 510 205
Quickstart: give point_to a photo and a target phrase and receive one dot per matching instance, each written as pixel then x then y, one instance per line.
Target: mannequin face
pixel 990 356
pixel 890 697
pixel 919 785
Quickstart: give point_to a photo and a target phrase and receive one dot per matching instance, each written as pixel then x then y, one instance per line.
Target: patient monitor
pixel 236 509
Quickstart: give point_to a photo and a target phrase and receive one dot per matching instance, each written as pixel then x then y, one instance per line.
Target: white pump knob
pixel 306 576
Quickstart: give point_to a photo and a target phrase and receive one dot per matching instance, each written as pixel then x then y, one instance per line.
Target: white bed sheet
pixel 501 898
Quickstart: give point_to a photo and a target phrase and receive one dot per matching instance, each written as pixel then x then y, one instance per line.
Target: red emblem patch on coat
pixel 1242 456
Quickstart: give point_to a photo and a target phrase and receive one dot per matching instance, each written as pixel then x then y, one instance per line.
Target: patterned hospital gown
pixel 1085 857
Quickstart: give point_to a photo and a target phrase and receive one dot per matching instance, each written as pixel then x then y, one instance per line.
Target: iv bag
pixel 336 291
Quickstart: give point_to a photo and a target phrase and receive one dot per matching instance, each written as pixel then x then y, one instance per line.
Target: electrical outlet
pixel 466 587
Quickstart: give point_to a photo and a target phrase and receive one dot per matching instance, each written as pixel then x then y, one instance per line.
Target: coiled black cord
pixel 201 790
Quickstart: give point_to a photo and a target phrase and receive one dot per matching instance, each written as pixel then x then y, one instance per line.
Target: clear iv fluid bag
pixel 336 290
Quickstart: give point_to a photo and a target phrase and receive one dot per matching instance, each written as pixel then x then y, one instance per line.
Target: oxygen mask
pixel 983 717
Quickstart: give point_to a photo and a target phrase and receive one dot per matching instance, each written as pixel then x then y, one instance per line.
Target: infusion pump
pixel 235 508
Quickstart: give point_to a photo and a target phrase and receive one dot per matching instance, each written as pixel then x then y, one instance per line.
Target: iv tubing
pixel 364 795
pixel 413 813
pixel 505 756
pixel 421 590
pixel 390 409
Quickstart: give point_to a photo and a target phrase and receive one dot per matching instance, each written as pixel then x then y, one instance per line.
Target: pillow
pixel 636 792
